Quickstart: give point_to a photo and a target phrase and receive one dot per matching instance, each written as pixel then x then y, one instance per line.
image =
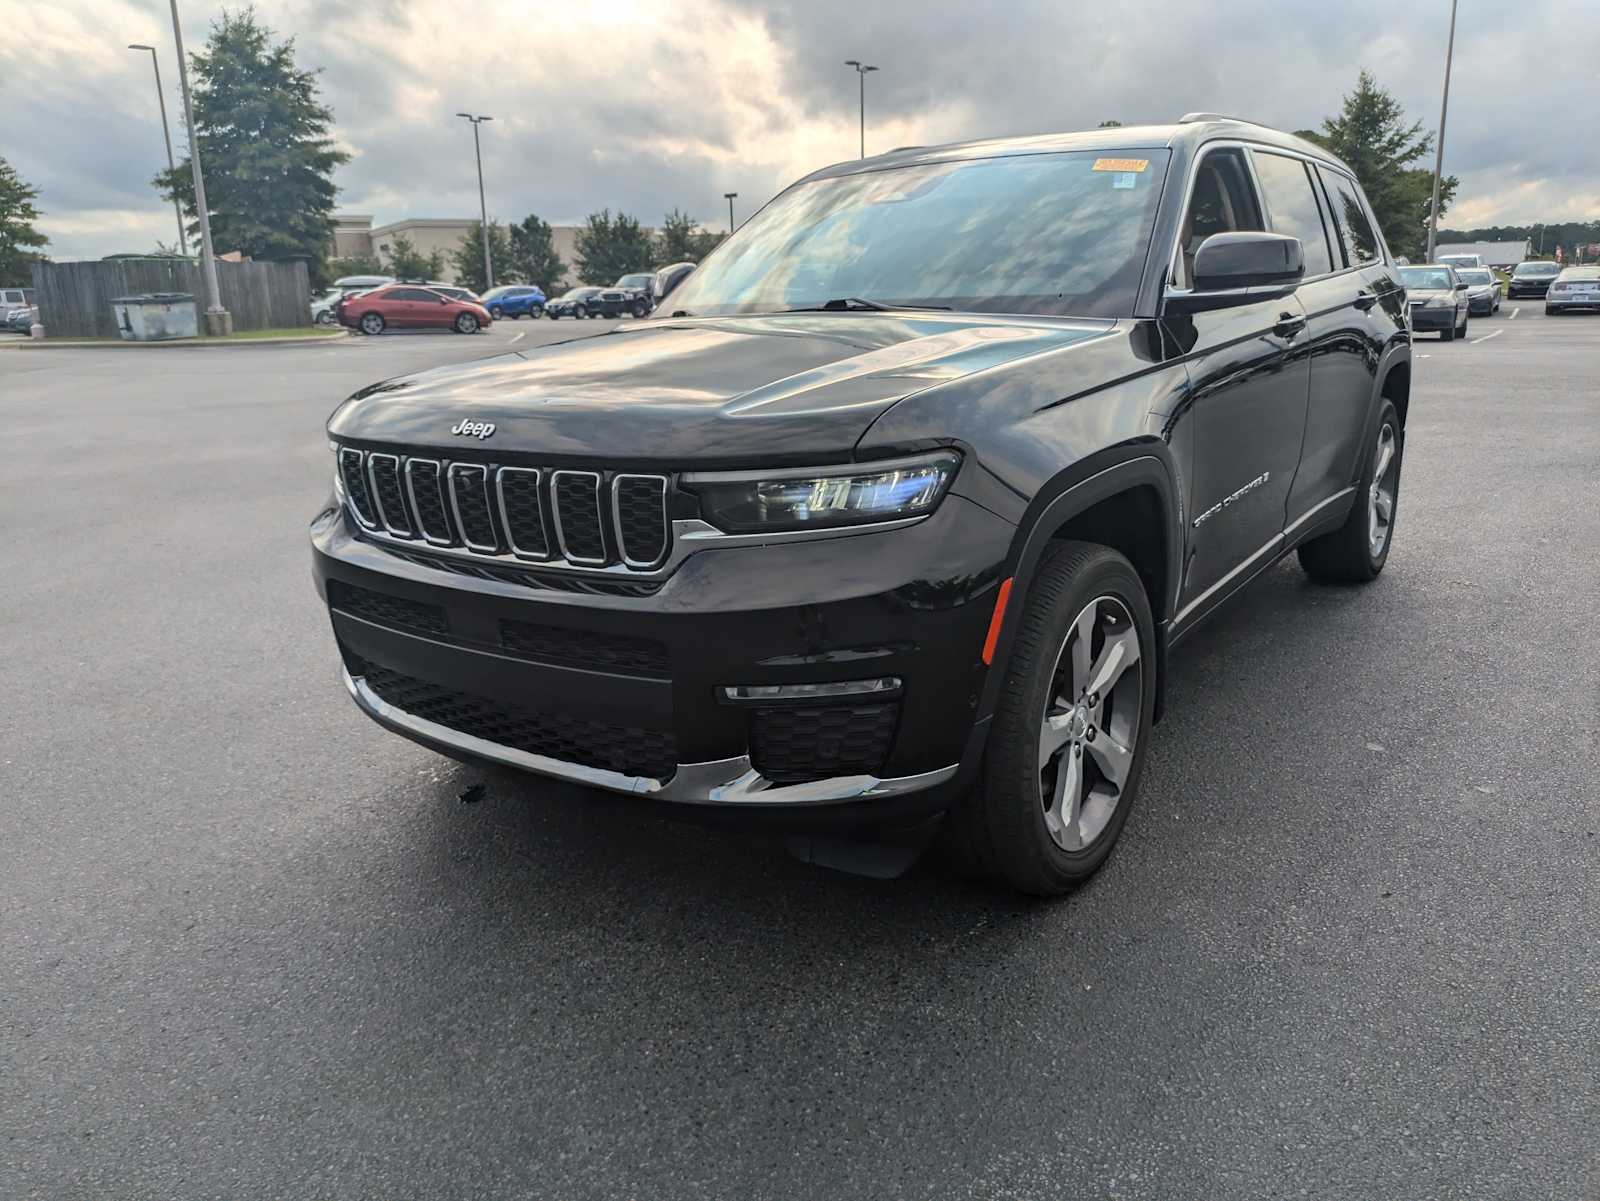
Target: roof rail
pixel 1191 118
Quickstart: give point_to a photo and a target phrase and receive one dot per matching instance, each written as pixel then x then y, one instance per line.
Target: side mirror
pixel 1241 267
pixel 1461 287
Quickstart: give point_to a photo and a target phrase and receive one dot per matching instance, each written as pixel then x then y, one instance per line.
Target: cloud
pixel 644 106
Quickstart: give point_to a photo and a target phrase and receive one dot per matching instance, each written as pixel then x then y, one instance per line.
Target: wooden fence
pixel 74 299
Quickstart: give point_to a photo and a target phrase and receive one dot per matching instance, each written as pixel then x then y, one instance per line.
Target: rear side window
pixel 409 294
pixel 1359 239
pixel 1292 205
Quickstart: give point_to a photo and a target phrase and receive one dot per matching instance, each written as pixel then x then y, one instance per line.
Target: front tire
pixel 466 323
pixel 1356 552
pixel 1067 744
pixel 579 313
pixel 372 323
pixel 496 312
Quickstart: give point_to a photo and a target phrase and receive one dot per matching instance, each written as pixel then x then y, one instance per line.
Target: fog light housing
pixel 880 687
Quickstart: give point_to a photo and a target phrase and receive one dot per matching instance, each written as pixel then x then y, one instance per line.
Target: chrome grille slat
pixel 383 474
pixel 575 504
pixel 639 516
pixel 522 512
pixel 469 499
pixel 423 484
pixel 353 477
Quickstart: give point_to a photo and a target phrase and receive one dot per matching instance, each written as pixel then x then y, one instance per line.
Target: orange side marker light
pixel 996 621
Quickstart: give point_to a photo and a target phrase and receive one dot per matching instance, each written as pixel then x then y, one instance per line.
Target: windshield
pixel 634 281
pixel 1044 233
pixel 580 293
pixel 1475 275
pixel 1423 279
pixel 1536 269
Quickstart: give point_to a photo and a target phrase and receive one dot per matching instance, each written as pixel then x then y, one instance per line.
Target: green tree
pixel 264 142
pixel 19 240
pixel 609 247
pixel 533 257
pixel 468 257
pixel 356 264
pixel 404 261
pixel 681 240
pixel 1371 135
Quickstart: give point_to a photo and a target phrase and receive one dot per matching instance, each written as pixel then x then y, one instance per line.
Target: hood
pixel 1430 293
pixel 767 389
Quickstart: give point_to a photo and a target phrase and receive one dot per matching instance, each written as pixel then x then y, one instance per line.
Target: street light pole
pixel 218 320
pixel 1438 159
pixel 483 208
pixel 861 72
pixel 166 135
pixel 728 196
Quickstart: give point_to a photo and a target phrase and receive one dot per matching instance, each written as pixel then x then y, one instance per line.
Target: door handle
pixel 1289 326
pixel 1365 300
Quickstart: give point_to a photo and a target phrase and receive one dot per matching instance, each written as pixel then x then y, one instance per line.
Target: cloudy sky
pixel 645 105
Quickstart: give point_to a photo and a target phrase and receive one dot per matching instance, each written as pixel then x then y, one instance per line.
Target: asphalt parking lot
pixel 252 945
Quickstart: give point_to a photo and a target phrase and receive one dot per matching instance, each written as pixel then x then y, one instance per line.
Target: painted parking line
pixel 1424 356
pixel 1514 313
pixel 1486 337
pixel 520 336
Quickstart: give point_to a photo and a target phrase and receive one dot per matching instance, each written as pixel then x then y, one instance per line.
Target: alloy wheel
pixel 1090 727
pixel 1380 497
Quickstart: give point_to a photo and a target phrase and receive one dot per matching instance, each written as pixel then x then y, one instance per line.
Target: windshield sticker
pixel 1124 179
pixel 1134 165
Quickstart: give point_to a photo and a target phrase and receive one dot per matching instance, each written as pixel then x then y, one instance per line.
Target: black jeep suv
pixel 885 531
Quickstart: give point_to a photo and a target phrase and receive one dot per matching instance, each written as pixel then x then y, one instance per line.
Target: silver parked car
pixel 1436 299
pixel 1574 288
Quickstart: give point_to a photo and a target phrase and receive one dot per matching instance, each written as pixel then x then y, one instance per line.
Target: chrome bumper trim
pixel 717 782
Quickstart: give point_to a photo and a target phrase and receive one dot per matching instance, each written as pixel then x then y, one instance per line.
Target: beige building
pixel 354 234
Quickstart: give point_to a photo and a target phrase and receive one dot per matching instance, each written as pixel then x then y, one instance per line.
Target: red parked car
pixel 406 306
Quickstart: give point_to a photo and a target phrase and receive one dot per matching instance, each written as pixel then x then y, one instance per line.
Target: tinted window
pixel 1030 233
pixel 1536 269
pixel 409 294
pixel 1292 203
pixel 1476 275
pixel 1359 239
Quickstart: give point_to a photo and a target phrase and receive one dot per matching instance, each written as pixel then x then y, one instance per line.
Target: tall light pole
pixel 861 71
pixel 1438 159
pixel 166 134
pixel 483 208
pixel 218 322
pixel 728 196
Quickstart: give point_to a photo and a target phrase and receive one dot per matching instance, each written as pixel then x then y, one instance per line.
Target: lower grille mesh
pixel 625 749
pixel 792 744
pixel 393 612
pixel 584 648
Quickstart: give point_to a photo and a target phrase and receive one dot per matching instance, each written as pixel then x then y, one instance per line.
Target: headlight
pixel 809 498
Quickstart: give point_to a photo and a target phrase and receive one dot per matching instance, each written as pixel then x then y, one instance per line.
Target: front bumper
pixel 1481 304
pixel 582 702
pixel 1514 291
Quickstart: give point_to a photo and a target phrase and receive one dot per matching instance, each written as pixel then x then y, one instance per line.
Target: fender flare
pixel 1079 488
pixel 1394 355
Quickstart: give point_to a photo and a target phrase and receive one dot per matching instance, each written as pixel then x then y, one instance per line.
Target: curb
pixel 174 344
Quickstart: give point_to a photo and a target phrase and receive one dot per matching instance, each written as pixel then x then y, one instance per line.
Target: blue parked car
pixel 514 300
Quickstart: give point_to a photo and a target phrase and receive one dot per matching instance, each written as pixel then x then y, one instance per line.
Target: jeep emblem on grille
pixel 473 429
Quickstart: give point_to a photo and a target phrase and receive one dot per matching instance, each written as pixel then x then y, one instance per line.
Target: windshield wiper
pixel 855 304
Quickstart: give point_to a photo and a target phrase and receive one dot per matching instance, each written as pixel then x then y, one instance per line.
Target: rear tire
pixel 580 312
pixel 372 323
pixel 1355 553
pixel 1060 774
